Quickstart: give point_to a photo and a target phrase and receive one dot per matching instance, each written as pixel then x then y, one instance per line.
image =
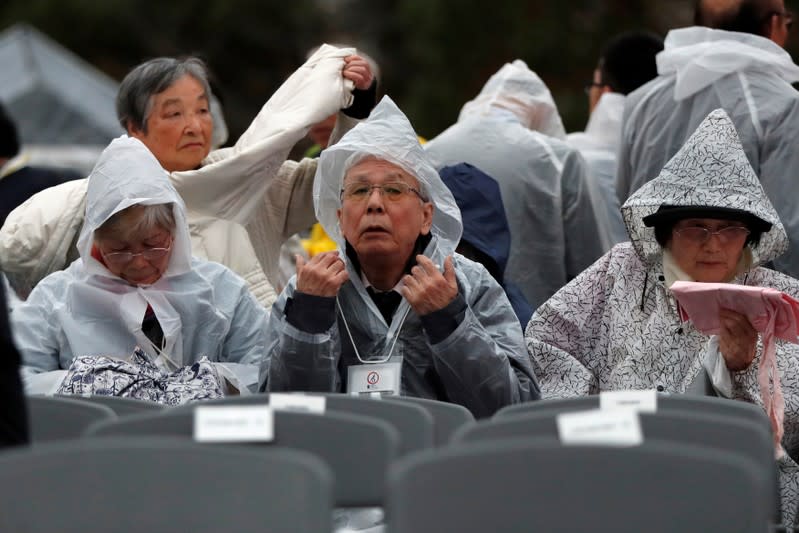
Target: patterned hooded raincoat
pixel 616 326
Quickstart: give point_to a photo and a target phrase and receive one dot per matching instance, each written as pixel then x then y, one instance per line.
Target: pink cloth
pixel 773 314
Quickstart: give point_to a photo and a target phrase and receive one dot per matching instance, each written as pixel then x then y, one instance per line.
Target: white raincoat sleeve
pixel 36 327
pixel 564 332
pixel 585 223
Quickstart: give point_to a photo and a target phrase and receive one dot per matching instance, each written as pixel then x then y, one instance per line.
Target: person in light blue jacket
pixel 395 310
pixel 137 285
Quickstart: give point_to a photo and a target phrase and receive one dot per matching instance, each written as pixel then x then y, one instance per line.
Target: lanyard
pixel 352 341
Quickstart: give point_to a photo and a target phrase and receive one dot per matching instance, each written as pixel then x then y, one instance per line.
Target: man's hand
pixel 737 340
pixel 426 289
pixel 323 275
pixel 358 70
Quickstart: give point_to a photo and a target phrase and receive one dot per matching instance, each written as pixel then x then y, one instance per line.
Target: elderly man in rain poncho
pixel 395 311
pixel 512 131
pixel 137 285
pixel 616 326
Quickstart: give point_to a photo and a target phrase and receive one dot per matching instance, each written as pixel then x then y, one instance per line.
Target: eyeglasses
pixel 394 191
pixel 150 254
pixel 701 235
pixel 786 15
pixel 588 86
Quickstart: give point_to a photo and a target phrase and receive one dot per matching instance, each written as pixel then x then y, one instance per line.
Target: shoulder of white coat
pixel 216 273
pixel 41 227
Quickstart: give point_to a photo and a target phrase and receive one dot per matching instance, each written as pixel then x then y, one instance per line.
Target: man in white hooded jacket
pixel 748 75
pixel 396 310
pixel 512 131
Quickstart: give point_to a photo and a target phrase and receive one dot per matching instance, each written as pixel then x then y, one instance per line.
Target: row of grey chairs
pixel 360 451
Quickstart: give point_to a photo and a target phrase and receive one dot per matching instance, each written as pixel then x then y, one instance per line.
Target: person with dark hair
pixel 166 103
pixel 19 181
pixel 767 18
pixel 627 61
pixel 13 416
pixel 705 219
pixel 735 63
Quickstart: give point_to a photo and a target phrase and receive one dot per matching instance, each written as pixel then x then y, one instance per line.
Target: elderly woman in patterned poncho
pixel 616 326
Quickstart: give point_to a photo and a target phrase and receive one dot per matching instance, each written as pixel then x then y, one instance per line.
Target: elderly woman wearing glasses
pixel 396 310
pixel 705 218
pixel 137 285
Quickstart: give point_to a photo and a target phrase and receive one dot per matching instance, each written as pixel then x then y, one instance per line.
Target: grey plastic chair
pixel 733 435
pixel 666 402
pixel 540 485
pixel 414 423
pixel 447 417
pixel 58 418
pixel 357 449
pixel 156 484
pixel 120 406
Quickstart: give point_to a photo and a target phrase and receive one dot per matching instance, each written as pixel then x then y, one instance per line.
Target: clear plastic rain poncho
pixel 702 69
pixel 512 131
pixel 203 308
pixel 481 365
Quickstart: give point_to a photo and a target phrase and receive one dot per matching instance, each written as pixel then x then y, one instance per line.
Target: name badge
pixel 375 380
pixel 606 428
pixel 297 402
pixel 229 423
pixel 644 401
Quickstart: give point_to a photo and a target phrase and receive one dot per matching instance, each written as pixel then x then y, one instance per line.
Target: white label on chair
pixel 234 423
pixel 644 401
pixel 607 428
pixel 297 402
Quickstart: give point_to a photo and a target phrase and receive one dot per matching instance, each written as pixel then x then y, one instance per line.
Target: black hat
pixel 671 214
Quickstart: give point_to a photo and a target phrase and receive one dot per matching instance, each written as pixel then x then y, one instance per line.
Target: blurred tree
pixel 434 54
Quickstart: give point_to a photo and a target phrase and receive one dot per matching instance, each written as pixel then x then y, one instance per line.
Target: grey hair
pixel 150 217
pixel 135 97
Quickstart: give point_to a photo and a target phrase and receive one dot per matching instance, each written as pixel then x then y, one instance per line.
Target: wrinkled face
pixel 708 256
pixel 382 227
pixel 140 259
pixel 179 126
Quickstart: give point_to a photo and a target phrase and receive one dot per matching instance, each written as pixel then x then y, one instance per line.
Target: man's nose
pixel 375 201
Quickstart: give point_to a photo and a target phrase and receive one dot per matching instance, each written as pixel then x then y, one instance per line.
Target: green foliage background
pixel 434 54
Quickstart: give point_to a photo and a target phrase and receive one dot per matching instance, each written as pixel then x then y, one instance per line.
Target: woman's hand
pixel 357 69
pixel 737 340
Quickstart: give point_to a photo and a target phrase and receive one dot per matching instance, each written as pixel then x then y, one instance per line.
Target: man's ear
pixel 427 217
pixel 134 132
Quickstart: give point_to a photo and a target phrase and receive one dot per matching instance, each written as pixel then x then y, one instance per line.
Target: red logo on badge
pixel 372 378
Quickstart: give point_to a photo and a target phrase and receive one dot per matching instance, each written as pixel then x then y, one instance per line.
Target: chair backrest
pixel 540 485
pixel 414 423
pixel 665 402
pixel 447 417
pixel 734 435
pixel 58 418
pixel 357 449
pixel 120 406
pixel 157 484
